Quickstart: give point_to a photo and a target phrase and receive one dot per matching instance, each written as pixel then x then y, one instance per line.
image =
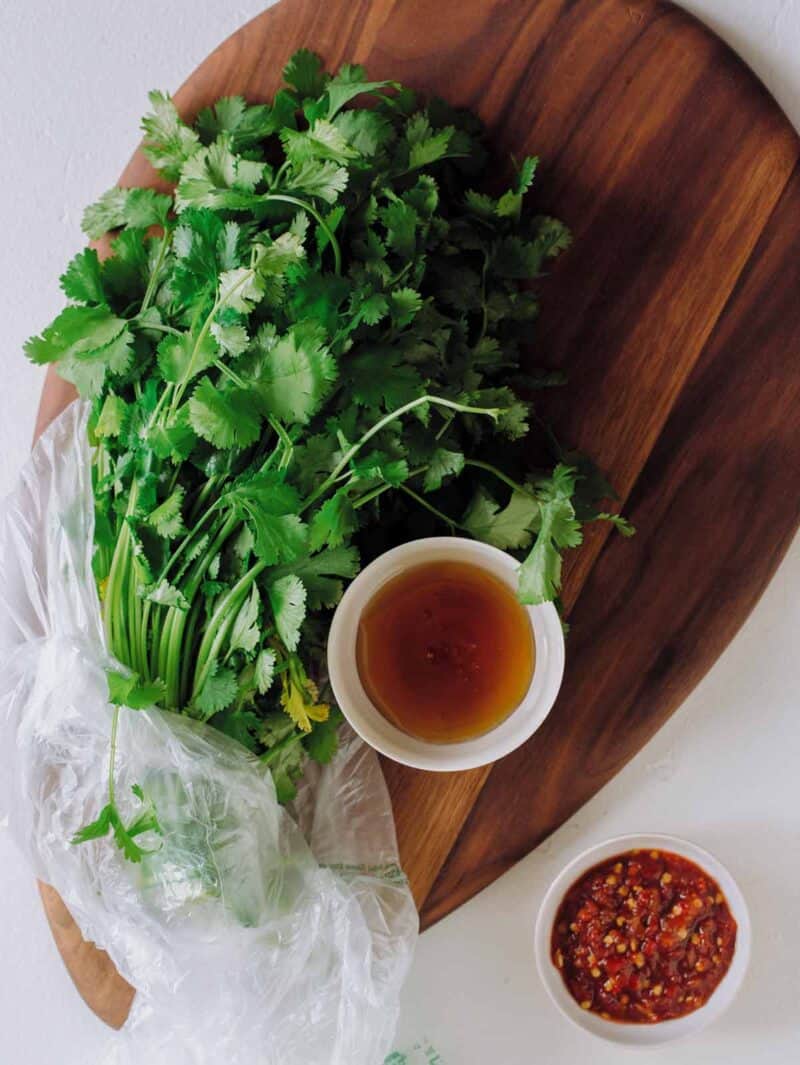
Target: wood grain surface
pixel 676 315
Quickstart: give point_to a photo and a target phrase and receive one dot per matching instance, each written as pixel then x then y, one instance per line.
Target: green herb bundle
pixel 303 354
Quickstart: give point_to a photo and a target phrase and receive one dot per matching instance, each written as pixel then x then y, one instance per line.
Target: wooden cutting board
pixel 677 317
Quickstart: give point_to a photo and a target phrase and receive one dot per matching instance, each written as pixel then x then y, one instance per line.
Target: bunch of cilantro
pixel 306 352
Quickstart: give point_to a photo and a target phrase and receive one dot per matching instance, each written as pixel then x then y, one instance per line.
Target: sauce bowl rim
pixel 386 737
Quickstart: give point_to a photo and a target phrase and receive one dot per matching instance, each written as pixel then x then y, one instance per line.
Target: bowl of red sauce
pixel 643 939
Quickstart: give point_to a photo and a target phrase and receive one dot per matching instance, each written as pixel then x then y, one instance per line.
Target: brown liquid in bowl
pixel 445 651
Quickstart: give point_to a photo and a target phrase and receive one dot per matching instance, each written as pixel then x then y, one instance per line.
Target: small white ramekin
pixel 380 733
pixel 642 1035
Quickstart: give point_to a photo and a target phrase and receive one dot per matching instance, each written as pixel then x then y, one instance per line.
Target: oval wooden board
pixel 677 316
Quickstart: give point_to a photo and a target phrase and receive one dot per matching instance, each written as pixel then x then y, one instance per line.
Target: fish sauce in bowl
pixel 445 651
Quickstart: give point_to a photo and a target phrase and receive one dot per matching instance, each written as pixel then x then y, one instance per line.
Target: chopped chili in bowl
pixel 643 937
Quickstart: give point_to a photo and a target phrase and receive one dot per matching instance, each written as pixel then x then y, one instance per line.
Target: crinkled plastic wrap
pixel 252 936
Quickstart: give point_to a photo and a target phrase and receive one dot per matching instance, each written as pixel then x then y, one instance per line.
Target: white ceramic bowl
pixel 642 1035
pixel 385 737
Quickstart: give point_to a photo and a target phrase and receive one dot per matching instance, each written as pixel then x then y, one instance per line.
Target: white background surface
pixel 724 771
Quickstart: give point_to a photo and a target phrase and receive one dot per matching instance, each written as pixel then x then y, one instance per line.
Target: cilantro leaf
pixel 426 146
pixel 443 463
pixel 319 574
pixel 349 83
pixel 130 691
pixel 169 142
pixel 167 518
pixel 270 506
pixel 509 527
pixel 366 131
pixel 217 693
pixel 166 594
pixel 400 220
pixel 265 670
pixel 540 573
pixel 216 177
pixel 334 522
pixel 305 73
pixel 82 280
pixel 322 742
pixel 323 178
pixel 174 439
pixel 297 373
pixel 285 761
pixel 381 380
pixel 225 419
pixel 245 125
pixel 510 203
pixel 183 356
pixel 246 631
pixel 287 597
pixel 240 724
pixel 112 416
pixel 136 208
pixel 95 829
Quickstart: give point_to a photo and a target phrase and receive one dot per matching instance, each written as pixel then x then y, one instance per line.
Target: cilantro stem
pixel 369 496
pixel 437 401
pixel 158 327
pixel 153 279
pixel 188 659
pixel 112 755
pixel 499 475
pixel 434 510
pixel 188 538
pixel 171 643
pixel 285 439
pixel 375 492
pixel 228 372
pixel 398 277
pixel 202 496
pixel 305 206
pixel 221 621
pixel 201 336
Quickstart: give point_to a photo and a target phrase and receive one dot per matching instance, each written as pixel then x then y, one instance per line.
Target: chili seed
pixel 621 948
pixel 618 867
pixel 654 854
pixel 595 972
pixel 608 940
pixel 611 880
pixel 586 1004
pixel 638 960
pixel 573 927
pixel 620 922
pixel 658 990
pixel 666 878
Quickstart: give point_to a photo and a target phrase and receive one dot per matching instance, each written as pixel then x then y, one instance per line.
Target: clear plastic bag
pixel 253 936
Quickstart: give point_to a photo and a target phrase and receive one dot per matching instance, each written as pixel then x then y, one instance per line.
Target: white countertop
pixel 723 772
